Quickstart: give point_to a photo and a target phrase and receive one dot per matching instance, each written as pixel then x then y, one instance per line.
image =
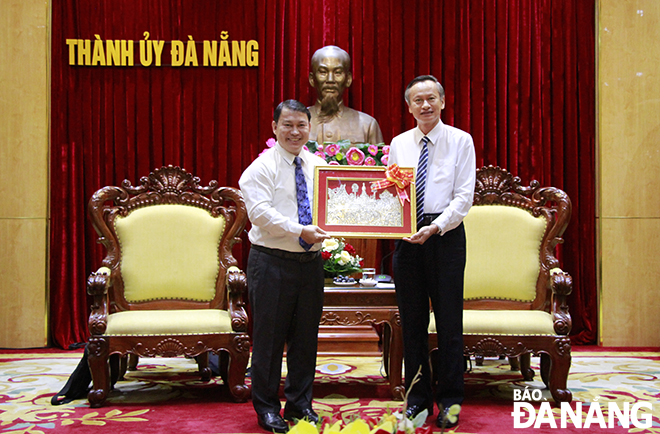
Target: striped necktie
pixel 304 212
pixel 420 182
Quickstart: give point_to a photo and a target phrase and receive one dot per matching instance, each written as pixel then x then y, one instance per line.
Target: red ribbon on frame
pixel 395 176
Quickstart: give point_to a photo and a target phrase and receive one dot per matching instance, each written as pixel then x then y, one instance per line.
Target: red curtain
pixel 519 76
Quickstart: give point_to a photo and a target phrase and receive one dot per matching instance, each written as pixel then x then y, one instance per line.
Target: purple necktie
pixel 304 212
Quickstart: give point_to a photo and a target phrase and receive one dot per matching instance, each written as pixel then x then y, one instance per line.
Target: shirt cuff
pixel 297 228
pixel 438 222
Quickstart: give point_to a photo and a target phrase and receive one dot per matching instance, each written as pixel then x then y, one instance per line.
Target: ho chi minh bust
pixel 331 120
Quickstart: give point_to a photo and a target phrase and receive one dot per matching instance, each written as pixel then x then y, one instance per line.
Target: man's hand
pixel 313 234
pixel 423 234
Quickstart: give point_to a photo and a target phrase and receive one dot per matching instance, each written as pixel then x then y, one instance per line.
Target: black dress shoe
pixel 306 413
pixel 443 418
pixel 413 410
pixel 272 422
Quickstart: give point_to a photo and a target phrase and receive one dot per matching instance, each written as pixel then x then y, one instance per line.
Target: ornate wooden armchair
pixel 169 285
pixel 515 292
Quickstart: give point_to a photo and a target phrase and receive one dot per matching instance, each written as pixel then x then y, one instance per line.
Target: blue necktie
pixel 304 212
pixel 420 182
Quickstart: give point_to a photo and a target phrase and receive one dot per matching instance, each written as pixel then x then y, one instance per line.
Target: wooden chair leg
pixel 100 370
pixel 239 353
pixel 203 365
pixel 560 363
pixel 525 366
pixel 514 362
pixel 133 362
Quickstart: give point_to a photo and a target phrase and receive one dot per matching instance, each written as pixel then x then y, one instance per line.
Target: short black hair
pixel 419 79
pixel 293 105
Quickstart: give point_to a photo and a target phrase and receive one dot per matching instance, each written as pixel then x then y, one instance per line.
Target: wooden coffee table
pixel 360 321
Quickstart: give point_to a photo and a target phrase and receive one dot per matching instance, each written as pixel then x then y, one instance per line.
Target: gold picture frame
pixel 365 201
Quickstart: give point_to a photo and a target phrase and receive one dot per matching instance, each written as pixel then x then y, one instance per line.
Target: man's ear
pixel 275 128
pixel 311 80
pixel 349 80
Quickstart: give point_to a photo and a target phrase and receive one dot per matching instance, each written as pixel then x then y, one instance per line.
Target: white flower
pixel 330 244
pixel 344 258
pixel 405 424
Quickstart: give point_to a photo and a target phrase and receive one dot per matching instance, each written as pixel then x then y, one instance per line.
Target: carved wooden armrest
pixel 97 286
pixel 99 281
pixel 236 283
pixel 561 284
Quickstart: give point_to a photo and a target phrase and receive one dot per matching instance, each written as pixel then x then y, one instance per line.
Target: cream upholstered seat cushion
pixel 169 322
pixel 504 322
pixel 503 253
pixel 169 252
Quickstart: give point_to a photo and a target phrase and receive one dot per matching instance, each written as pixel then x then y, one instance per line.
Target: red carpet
pixel 164 395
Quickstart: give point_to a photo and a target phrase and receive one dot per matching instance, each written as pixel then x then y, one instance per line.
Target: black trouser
pixel 286 297
pixel 432 271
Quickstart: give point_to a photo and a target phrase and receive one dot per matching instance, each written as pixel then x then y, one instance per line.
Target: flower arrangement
pixel 345 153
pixel 340 258
pixel 390 423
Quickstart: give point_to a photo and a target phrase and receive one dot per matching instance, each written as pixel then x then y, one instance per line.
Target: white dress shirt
pixel 269 188
pixel 451 170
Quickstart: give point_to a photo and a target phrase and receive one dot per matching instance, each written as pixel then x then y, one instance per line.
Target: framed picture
pixel 364 202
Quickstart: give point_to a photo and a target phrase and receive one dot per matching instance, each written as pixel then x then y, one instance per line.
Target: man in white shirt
pixel 285 270
pixel 431 263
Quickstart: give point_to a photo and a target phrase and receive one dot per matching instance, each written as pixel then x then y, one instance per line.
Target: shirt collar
pixel 288 156
pixel 433 135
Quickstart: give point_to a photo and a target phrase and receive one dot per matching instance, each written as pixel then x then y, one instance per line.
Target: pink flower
pixel 334 163
pixel 305 148
pixel 319 147
pixel 355 157
pixel 373 149
pixel 332 149
pixel 369 161
pixel 320 154
pixel 386 150
pixel 270 142
pixel 384 159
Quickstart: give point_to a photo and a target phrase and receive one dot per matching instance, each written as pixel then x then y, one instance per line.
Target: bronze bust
pixel 332 121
